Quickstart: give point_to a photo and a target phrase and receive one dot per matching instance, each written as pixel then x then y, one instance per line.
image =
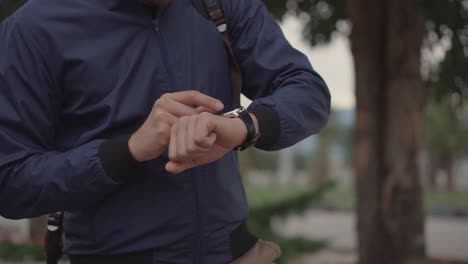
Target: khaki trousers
pixel 264 252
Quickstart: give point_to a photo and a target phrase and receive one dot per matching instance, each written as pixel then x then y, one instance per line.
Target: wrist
pixel 242 131
pixel 250 127
pixel 255 121
pixel 135 149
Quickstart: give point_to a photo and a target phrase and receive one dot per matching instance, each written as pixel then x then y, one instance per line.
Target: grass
pixel 261 195
pixel 281 200
pixel 266 202
pixel 17 253
pixel 341 199
pixel 457 199
pixel 345 200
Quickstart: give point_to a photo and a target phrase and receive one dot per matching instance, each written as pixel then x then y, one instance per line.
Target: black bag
pixel 53 245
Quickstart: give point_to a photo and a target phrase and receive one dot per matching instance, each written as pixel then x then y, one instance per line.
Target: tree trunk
pixel 432 171
pixel 322 165
pixel 386 41
pixel 449 164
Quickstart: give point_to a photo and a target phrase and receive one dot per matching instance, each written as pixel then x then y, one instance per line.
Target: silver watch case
pixel 234 113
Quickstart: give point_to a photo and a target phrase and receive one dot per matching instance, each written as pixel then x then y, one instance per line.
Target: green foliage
pixel 434 200
pixel 447 21
pixel 331 132
pixel 9 6
pixel 276 7
pixel 446 26
pixel 260 195
pixel 322 18
pixel 347 140
pixel 258 159
pixel 261 215
pixel 12 252
pixel 445 133
pixel 344 199
pixel 302 162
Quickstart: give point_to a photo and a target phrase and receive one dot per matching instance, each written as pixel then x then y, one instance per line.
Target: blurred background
pixel 386 182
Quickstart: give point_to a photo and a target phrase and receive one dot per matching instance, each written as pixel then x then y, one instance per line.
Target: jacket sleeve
pixel 288 95
pixel 36 179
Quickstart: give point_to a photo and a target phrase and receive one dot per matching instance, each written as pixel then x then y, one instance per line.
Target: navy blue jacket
pixel 78 76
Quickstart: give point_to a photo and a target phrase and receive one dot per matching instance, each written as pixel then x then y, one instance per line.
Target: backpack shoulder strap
pixel 212 9
pixel 200 6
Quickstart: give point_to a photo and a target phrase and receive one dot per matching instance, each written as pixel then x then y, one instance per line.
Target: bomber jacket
pixel 77 77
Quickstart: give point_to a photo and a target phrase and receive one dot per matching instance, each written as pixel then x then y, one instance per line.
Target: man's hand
pixel 152 138
pixel 200 139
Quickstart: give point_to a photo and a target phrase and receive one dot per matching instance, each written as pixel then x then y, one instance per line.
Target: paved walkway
pixel 16 231
pixel 446 238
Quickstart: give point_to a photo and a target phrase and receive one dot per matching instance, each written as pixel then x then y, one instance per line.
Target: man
pixel 110 111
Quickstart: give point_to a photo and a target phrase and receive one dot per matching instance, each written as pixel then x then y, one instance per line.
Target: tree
pixel 447 25
pixel 447 84
pixel 321 160
pixel 387 39
pixel 8 6
pixel 445 138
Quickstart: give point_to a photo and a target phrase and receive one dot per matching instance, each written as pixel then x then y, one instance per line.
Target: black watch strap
pixel 252 135
pixel 250 140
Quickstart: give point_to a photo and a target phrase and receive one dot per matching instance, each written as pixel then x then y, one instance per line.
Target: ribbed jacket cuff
pixel 117 160
pixel 268 125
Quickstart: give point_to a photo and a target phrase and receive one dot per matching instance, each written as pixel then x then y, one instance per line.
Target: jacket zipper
pixel 198 220
pixel 197 248
pixel 163 48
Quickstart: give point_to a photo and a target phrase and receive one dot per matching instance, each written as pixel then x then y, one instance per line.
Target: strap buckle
pixel 222 28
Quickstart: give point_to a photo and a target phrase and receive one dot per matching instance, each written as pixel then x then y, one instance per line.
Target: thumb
pixel 208 141
pixel 176 167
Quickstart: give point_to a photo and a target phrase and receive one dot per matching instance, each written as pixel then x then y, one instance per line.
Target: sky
pixel 333 62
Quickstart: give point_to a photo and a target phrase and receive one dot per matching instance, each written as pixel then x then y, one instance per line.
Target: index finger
pixel 191 98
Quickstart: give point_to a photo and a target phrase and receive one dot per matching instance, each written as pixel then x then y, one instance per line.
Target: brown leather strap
pixel 217 16
pixel 236 74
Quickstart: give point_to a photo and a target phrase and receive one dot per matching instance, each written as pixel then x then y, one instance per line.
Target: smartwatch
pixel 252 135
